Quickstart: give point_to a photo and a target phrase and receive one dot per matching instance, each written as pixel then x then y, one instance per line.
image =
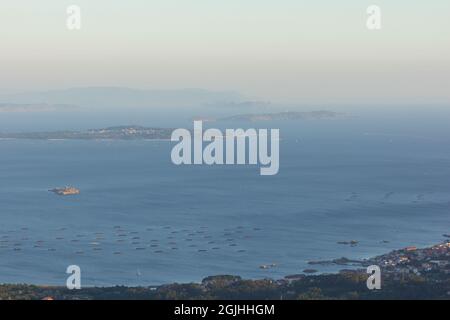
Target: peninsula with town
pixel 111 133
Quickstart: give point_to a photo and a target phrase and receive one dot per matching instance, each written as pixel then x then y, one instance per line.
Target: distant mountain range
pixel 106 97
pixel 39 107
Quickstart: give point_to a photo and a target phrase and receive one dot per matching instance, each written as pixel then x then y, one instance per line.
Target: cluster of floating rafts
pixel 119 240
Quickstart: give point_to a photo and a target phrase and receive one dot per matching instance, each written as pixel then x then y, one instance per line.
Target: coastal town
pixel 409 260
pixel 435 259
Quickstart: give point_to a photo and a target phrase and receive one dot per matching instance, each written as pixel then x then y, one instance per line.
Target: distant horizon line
pixel 242 97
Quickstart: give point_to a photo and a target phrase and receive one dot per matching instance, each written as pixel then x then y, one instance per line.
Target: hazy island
pixel 287 115
pixel 409 273
pixel 111 133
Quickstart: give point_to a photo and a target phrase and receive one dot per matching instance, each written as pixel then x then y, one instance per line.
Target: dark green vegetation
pixel 345 285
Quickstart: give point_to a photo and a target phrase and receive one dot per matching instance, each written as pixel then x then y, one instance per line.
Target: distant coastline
pixel 134 132
pixel 110 133
pixel 277 116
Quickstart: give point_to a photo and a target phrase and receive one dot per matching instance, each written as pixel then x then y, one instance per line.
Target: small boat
pixel 66 191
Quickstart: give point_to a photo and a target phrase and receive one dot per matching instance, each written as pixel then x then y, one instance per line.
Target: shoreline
pixel 419 270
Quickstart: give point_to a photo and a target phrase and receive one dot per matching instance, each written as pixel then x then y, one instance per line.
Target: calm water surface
pixel 140 220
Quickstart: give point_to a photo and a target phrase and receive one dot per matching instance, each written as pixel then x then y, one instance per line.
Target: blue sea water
pixel 380 179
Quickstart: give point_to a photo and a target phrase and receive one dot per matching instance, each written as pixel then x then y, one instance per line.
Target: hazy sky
pixel 282 50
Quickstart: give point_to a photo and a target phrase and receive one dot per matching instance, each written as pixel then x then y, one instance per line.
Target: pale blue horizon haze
pixel 286 51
